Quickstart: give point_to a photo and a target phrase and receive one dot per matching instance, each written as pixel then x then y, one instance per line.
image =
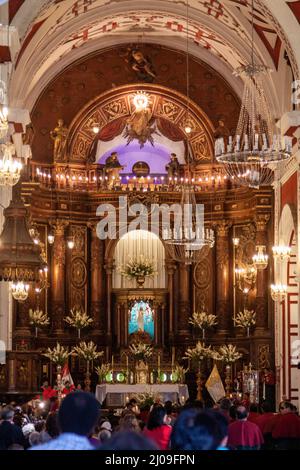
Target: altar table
pixel 118 394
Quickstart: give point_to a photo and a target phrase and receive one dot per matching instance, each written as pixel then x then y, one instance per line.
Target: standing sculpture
pixel 112 169
pixel 173 167
pixel 59 136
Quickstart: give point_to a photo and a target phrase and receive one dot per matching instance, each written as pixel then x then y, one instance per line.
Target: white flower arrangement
pixel 58 355
pixel 103 370
pixel 227 354
pixel 245 319
pixel 203 320
pixel 199 352
pixel 37 318
pixel 87 351
pixel 78 319
pixel 136 267
pixel 141 351
pixel 178 374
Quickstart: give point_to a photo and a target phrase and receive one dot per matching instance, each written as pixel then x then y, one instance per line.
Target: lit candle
pixel 173 357
pixel 158 362
pixel 112 364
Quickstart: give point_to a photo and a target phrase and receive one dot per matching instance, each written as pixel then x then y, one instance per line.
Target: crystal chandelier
pixel 278 292
pixel 246 278
pixel 282 252
pixel 3 121
pixel 260 259
pixel 10 168
pixel 19 291
pixel 188 240
pixel 257 147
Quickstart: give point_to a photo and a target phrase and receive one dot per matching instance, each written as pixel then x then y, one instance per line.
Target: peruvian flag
pixel 66 379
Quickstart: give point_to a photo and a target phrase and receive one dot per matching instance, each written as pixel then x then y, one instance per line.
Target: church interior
pixel 149 189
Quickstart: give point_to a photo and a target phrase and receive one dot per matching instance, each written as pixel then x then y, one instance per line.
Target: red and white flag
pixel 66 378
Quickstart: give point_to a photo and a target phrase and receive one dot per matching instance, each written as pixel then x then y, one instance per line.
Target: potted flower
pixel 102 371
pixel 196 355
pixel 59 356
pixel 203 321
pixel 245 319
pixel 229 355
pixel 88 352
pixel 138 269
pixel 38 319
pixel 141 351
pixel 79 320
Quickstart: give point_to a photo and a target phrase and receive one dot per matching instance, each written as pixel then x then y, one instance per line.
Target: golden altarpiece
pixel 62 198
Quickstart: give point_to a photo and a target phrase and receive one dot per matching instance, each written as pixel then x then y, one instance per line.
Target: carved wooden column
pixel 261 222
pixel 97 281
pixel 109 270
pixel 184 299
pixel 171 266
pixel 222 272
pixel 58 263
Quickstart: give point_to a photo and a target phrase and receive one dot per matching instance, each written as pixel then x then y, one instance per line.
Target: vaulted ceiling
pixel 219 33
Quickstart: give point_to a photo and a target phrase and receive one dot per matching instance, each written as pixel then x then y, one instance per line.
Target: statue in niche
pixel 222 132
pixel 112 169
pixel 173 167
pixel 141 65
pixel 59 136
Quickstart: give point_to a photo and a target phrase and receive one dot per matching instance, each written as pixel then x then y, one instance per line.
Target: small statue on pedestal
pixel 112 169
pixel 141 372
pixel 59 136
pixel 173 167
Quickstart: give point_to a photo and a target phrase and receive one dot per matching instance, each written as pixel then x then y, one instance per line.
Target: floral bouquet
pixel 178 374
pixel 102 371
pixel 203 320
pixel 141 351
pixel 38 319
pixel 78 320
pixel 228 354
pixel 87 351
pixel 245 319
pixel 58 355
pixel 137 267
pixel 198 353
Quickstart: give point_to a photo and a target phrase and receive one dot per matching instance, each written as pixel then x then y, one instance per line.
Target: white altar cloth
pixel 173 392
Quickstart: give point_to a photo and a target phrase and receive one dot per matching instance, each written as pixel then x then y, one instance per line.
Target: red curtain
pixel 169 130
pixel 111 130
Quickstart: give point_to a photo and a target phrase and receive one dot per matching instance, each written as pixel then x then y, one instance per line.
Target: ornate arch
pixel 117 104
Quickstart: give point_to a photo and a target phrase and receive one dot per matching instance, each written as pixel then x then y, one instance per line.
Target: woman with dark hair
pixel 157 430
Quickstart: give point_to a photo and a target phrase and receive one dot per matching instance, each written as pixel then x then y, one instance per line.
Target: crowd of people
pixel 80 424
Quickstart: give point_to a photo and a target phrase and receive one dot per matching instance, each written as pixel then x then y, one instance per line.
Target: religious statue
pixel 112 168
pixel 141 65
pixel 173 166
pixel 222 132
pixel 140 319
pixel 138 126
pixel 59 136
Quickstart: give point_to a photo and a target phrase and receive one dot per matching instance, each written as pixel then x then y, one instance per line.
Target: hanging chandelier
pixel 250 156
pixel 188 240
pixel 10 167
pixel 260 259
pixel 19 291
pixel 3 121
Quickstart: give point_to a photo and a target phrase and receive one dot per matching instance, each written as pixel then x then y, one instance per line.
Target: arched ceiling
pixel 219 33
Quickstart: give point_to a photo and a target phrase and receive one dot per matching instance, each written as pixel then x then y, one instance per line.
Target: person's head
pixel 222 423
pixel 285 407
pixel 128 440
pixel 225 405
pixel 137 55
pixel 104 435
pixel 129 422
pixel 78 413
pixel 195 430
pixel 168 407
pixel 40 425
pixel 60 122
pixel 34 438
pixel 7 413
pixel 114 155
pixel 241 413
pixel 28 429
pixel 156 417
pixel 232 412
